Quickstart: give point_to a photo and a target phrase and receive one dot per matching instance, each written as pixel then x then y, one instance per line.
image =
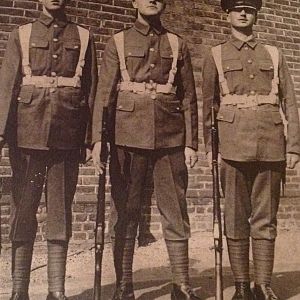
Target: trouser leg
pixel 170 184
pixel 127 169
pixel 21 265
pixel 265 202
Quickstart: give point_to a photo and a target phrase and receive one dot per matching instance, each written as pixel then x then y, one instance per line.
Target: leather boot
pixel 242 291
pixel 124 291
pixel 19 296
pixel 264 292
pixel 56 296
pixel 183 292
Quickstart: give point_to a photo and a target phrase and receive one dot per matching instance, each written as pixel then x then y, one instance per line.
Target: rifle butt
pixel 218 271
pixel 98 272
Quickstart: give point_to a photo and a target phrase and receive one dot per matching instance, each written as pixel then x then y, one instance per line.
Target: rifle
pixel 217 222
pixel 100 218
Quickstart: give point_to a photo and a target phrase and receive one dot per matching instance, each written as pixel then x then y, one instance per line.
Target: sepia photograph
pixel 149 149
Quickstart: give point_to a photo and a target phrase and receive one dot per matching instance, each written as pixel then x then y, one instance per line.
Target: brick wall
pixel 202 24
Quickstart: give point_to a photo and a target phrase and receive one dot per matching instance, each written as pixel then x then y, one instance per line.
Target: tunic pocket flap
pixel 165 53
pixel 266 66
pixel 72 45
pixel 276 117
pixel 232 65
pixel 173 107
pixel 135 52
pixel 25 95
pixel 125 105
pixel 226 115
pixel 39 43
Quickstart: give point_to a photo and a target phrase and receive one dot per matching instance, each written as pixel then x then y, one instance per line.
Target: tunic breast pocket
pixel 39 49
pixel 167 60
pixel 233 70
pixel 134 58
pixel 266 69
pixel 71 54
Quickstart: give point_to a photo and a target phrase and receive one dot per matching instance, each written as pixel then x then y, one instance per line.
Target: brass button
pixel 52 90
pixel 251 76
pixel 227 67
pixel 55 56
pixel 53 74
pixel 153 96
pixel 129 53
pixel 55 25
pixel 33 44
pixel 19 98
pixel 252 93
pixel 152 65
pixel 55 40
pixel 151 34
pixel 250 61
pixel 152 49
pixel 246 48
pixel 52 81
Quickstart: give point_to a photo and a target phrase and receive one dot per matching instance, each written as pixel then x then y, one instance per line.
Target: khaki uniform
pixel 251 137
pixel 148 126
pixel 45 120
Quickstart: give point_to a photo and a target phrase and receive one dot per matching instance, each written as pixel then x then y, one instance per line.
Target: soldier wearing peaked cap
pixel 147 84
pixel 248 83
pixel 47 87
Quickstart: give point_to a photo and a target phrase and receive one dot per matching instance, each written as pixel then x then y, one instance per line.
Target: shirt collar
pixel 145 29
pixel 60 20
pixel 239 43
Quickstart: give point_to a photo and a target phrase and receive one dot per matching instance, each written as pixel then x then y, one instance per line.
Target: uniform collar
pixel 60 20
pixel 239 43
pixel 145 29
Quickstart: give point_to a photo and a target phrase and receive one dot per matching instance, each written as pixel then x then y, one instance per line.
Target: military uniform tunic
pixel 251 140
pixel 46 126
pixel 146 129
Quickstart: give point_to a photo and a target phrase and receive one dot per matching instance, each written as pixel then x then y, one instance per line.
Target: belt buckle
pixel 53 82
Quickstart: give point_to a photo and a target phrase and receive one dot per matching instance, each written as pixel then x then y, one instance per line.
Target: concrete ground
pixel 151 271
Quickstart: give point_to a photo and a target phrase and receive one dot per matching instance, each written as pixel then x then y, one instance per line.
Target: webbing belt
pixel 245 101
pixel 143 87
pixel 47 82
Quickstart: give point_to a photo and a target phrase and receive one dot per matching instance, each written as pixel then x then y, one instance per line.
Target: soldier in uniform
pixel 247 83
pixel 147 86
pixel 47 86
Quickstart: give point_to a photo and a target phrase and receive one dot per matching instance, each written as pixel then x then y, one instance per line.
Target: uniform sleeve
pixel 10 79
pixel 107 87
pixel 89 83
pixel 189 101
pixel 288 99
pixel 210 95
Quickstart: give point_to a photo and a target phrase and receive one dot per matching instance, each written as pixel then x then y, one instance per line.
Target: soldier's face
pixel 52 5
pixel 242 17
pixel 149 7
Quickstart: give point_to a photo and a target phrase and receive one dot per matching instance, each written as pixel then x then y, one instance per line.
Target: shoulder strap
pixel 24 36
pixel 119 41
pixel 274 53
pixel 174 43
pixel 217 56
pixel 84 36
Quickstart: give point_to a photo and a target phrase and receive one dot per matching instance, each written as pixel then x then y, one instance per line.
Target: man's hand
pixel 291 160
pixel 100 166
pixel 191 157
pixel 209 159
